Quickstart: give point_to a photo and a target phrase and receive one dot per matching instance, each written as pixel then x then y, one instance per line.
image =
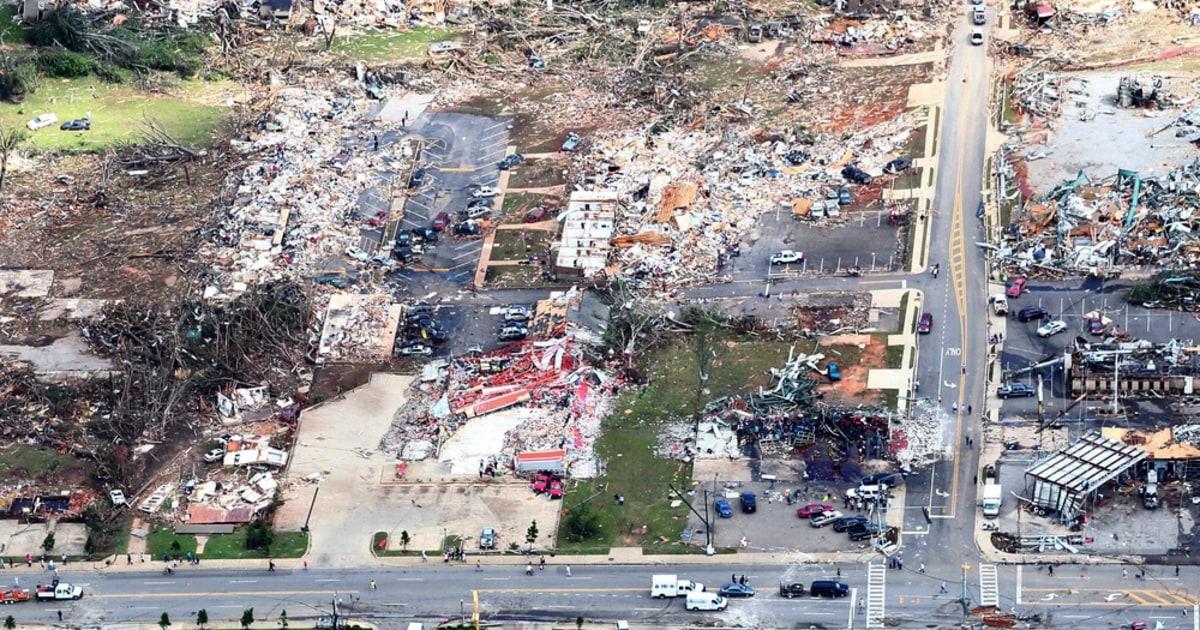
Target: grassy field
pixel 24 463
pixel 377 45
pixel 510 244
pixel 160 539
pixel 118 112
pixel 233 546
pixel 631 432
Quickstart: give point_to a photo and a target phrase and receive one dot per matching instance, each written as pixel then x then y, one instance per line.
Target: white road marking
pixel 330 580
pixel 243 581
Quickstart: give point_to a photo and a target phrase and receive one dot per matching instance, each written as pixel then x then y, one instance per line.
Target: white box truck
pixel 663 586
pixel 993 496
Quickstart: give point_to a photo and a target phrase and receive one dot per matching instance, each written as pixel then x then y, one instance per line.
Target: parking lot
pixel 472 325
pixel 865 239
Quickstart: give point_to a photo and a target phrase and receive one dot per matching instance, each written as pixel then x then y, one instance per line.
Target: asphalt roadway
pixel 1074 596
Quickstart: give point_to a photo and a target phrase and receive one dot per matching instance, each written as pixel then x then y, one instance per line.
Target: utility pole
pixel 966 599
pixel 709 549
pixel 310 508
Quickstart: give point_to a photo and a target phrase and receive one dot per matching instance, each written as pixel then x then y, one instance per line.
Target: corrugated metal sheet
pixel 1064 480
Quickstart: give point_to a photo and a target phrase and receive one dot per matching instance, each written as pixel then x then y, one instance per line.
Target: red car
pixel 813 509
pixel 540 482
pixel 1016 288
pixel 537 214
pixel 556 489
pixel 440 221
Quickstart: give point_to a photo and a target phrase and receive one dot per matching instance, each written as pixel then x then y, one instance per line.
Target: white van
pixel 705 601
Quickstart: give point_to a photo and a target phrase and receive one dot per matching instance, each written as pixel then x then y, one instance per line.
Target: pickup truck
pixel 59 591
pixel 792 589
pixel 825 518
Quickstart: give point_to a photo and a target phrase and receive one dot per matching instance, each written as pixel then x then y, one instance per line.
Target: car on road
pixel 828 588
pixel 833 371
pixel 733 589
pixel 417 179
pixel 487 538
pixel 1016 287
pixel 485 191
pixel 925 326
pixel 516 313
pixel 846 522
pixel 977 37
pixel 813 509
pixel 792 589
pixel 723 509
pixel 1031 313
pixel 1052 327
pixel 749 502
pixel 1015 390
pixel 571 142
pixel 79 124
pixel 787 257
pixel 825 518
pixel 440 221
pixel 215 455
pixel 511 161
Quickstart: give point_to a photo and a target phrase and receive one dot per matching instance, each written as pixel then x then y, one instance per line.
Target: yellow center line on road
pixel 455 169
pixel 957 264
pixel 216 594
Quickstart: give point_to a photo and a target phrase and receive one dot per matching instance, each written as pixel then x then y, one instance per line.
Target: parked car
pixel 1052 327
pixel 485 191
pixel 332 279
pixel 856 174
pixel 898 165
pixel 1031 313
pixel 467 228
pixel 516 313
pixel 556 489
pixel 825 518
pixel 382 260
pixel 537 214
pixel 1016 287
pixel 888 479
pixel 403 254
pixel 828 588
pixel 79 124
pixel 925 326
pixel 1015 390
pixel 474 212
pixel 749 503
pixel 843 196
pixel 42 120
pixel 977 37
pixel 416 349
pixel 512 334
pixel 215 455
pixel 792 589
pixel 1097 326
pixel 423 234
pixel 357 254
pixel 540 481
pixel 863 531
pixel 733 589
pixel 846 522
pixel 723 509
pixel 813 509
pixel 511 161
pixel 787 257
pixel 417 179
pixel 571 142
pixel 487 538
pixel 440 221
pixel 833 371
pixel 403 239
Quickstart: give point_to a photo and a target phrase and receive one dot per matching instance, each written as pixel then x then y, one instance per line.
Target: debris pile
pixel 559 403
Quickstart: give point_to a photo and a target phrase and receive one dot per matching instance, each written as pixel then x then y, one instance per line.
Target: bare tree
pixel 10 139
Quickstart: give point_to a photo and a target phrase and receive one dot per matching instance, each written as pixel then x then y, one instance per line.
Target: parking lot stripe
pixel 457 169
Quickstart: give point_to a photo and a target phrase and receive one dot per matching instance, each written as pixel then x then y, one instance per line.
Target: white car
pixel 416 350
pixel 383 261
pixel 1052 328
pixel 977 37
pixel 215 455
pixel 787 257
pixel 516 313
pixel 117 497
pixel 42 120
pixel 357 254
pixel 485 191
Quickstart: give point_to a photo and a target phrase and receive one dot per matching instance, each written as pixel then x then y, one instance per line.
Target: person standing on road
pixel 372 585
pixel 270 566
pixel 542 564
pixel 529 569
pixel 568 570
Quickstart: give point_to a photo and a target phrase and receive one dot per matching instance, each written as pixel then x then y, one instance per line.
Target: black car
pixel 846 522
pixel 417 179
pixel 403 254
pixel 864 531
pixel 79 124
pixel 1030 313
pixel 792 589
pixel 511 161
pixel 796 158
pixel 467 229
pixel 886 478
pixel 898 165
pixel 425 234
pixel 856 175
pixel 749 503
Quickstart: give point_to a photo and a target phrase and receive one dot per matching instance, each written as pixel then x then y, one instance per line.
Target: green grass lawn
pixel 511 244
pixel 538 173
pixel 379 45
pixel 160 539
pixel 631 432
pixel 233 546
pixel 22 463
pixel 118 112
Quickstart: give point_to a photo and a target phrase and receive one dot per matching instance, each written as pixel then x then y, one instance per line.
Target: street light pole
pixel 310 508
pixel 966 600
pixel 462 616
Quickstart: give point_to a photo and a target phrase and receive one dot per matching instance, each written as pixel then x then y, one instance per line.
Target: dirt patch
pixel 855 355
pixel 332 380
